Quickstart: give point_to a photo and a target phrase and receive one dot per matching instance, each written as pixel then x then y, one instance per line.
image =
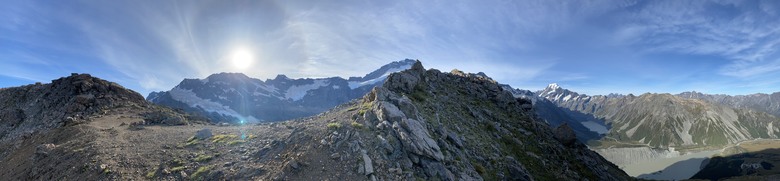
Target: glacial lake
pixel 669 168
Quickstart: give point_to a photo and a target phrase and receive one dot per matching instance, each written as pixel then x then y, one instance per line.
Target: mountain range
pixel 398 122
pixel 769 103
pixel 235 97
pixel 688 119
pixel 417 125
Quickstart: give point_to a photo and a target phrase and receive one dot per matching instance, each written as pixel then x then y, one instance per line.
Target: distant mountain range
pixel 664 120
pixel 769 103
pixel 235 97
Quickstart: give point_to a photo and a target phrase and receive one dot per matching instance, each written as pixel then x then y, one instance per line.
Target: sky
pixel 592 47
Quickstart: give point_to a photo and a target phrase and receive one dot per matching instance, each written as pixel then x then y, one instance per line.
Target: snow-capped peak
pixel 553 86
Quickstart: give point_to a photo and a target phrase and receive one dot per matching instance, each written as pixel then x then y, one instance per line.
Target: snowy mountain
pixel 235 97
pixel 555 116
pixel 665 120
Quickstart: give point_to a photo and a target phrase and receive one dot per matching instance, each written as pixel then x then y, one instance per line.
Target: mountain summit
pixel 69 129
pixel 65 101
pixel 235 97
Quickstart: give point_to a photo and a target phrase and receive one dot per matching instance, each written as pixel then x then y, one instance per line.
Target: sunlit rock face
pixel 235 97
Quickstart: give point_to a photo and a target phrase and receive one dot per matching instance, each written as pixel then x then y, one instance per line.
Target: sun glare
pixel 241 58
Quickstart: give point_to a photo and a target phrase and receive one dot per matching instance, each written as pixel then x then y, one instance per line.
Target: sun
pixel 241 58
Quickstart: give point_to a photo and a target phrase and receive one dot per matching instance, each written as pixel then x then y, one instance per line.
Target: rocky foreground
pixel 420 125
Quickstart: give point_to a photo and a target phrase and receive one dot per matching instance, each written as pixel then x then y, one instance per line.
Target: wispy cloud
pixel 151 46
pixel 745 32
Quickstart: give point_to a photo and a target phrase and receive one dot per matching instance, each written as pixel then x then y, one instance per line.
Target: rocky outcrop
pixel 65 101
pixel 460 126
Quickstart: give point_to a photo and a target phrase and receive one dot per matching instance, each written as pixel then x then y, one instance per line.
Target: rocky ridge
pixel 65 101
pixel 458 126
pixel 41 125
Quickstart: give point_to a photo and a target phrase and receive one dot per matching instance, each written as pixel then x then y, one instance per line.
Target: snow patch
pixel 297 92
pixel 356 84
pixel 188 97
pixel 567 98
pixel 269 88
pixel 553 86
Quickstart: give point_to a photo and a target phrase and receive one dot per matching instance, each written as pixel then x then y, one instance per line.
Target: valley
pixel 664 136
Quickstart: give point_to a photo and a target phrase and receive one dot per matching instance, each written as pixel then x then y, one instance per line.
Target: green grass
pixel 151 174
pixel 191 142
pixel 177 169
pixel 235 142
pixel 479 168
pixel 201 171
pixel 203 158
pixel 223 138
pixel 364 107
pixel 177 162
pixel 357 125
pixel 334 125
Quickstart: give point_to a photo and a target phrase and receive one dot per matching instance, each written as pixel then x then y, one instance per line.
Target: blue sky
pixel 593 47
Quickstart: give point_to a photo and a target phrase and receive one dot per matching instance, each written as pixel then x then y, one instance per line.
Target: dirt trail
pixel 117 150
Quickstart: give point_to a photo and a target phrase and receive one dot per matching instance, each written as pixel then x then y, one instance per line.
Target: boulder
pixel 565 135
pixel 454 138
pixel 517 171
pixel 368 165
pixel 407 80
pixel 437 169
pixel 389 112
pixel 415 137
pixel 203 134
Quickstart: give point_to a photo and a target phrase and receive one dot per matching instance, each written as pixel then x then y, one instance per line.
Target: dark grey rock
pixel 203 134
pixel 453 137
pixel 367 164
pixel 565 135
